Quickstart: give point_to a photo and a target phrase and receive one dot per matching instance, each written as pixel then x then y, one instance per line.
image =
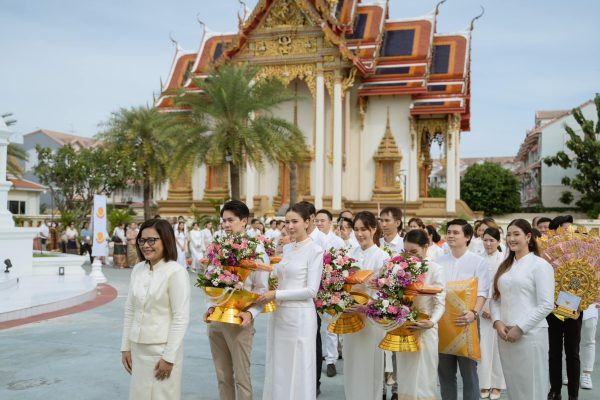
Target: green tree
pixel 490 188
pixel 136 134
pixel 231 121
pixel 15 152
pixel 118 216
pixel 586 157
pixel 73 177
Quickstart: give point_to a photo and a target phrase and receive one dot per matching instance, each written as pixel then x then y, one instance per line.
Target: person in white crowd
pixel 433 250
pixel 273 232
pixel 43 235
pixel 348 214
pixel 196 247
pixel 254 229
pixel 323 221
pixel 587 352
pixel 345 227
pixel 390 219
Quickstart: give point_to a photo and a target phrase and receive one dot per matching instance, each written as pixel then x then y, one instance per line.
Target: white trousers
pixel 587 349
pixel 331 346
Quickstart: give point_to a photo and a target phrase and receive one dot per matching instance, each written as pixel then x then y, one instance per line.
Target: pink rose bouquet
pixel 332 298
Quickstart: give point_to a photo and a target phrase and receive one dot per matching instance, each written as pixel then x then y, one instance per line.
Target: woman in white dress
pixel 489 369
pixel 196 247
pixel 181 240
pixel 363 359
pixel 417 372
pixel 433 250
pixel 523 297
pixel 157 314
pixel 291 352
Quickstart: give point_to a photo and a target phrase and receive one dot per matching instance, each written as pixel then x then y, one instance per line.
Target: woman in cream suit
pixel 157 314
pixel 523 297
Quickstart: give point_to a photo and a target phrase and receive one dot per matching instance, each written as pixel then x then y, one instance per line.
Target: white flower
pixel 385 303
pixel 395 269
pixel 345 274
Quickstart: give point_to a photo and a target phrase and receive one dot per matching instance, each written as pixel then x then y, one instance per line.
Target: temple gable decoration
pixel 387 168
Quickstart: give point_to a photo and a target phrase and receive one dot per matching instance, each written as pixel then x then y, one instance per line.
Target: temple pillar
pixel 319 140
pixel 6 220
pixel 250 185
pixel 413 164
pixel 337 144
pixel 457 147
pixel 452 173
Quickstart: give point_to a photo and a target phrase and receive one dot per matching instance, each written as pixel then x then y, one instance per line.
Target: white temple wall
pixel 198 182
pixel 375 125
pixel 352 170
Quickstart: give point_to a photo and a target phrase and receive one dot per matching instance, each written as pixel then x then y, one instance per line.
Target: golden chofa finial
pixel 476 18
pixel 437 6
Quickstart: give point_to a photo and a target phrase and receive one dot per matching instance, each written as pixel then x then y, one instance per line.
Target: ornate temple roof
pixel 391 56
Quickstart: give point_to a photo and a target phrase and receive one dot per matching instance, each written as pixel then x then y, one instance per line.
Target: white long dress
pixel 489 369
pixel 291 352
pixel 363 359
pixel 417 372
pixel 526 298
pixel 180 238
pixel 196 244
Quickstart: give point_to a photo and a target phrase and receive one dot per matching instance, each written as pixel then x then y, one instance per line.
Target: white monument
pixel 32 287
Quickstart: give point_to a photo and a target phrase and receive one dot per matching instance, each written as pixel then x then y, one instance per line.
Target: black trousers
pixel 319 352
pixel 86 247
pixel 565 333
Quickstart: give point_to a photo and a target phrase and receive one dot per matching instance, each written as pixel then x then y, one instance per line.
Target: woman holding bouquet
pixel 417 371
pixel 291 361
pixel 363 359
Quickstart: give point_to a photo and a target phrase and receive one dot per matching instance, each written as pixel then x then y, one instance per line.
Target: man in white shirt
pixel 231 345
pixel 390 219
pixel 207 236
pixel 253 231
pixel 273 232
pixel 44 234
pixel 323 221
pixel 461 264
pixel 348 214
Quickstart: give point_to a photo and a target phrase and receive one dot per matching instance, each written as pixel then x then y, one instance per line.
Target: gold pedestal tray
pixel 269 307
pixel 229 305
pixel 400 340
pixel 349 322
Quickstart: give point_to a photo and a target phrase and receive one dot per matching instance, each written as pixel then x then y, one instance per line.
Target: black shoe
pixel 384 396
pixel 331 370
pixel 573 397
pixel 554 396
pixel 340 355
pixel 394 396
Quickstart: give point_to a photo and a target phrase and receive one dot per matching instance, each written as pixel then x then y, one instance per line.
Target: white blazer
pixel 157 309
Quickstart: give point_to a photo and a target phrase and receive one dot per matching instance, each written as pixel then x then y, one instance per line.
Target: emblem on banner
pixel 100 212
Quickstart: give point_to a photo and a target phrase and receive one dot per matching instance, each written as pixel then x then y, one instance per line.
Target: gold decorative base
pixel 225 315
pixel 269 307
pixel 346 324
pixel 400 340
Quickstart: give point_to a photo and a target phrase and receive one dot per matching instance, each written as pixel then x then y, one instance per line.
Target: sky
pixel 65 65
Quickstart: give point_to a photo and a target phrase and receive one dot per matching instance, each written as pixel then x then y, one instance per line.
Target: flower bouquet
pixel 230 260
pixel 335 300
pixel 392 306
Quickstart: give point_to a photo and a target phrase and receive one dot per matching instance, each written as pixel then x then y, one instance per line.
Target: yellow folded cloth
pixel 454 339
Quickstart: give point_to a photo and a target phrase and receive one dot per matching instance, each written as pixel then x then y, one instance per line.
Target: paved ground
pixel 77 357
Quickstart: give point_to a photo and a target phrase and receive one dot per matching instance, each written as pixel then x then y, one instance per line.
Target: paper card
pixel 568 300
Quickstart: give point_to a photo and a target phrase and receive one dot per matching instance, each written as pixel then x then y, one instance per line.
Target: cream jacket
pixel 157 309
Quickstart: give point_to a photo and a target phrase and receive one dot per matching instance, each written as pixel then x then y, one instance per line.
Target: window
pixel 399 42
pixel 16 207
pixel 441 59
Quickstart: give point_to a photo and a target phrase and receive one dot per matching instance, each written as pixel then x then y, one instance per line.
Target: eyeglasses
pixel 151 241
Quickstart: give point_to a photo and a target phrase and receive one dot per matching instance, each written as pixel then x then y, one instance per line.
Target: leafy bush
pixel 490 188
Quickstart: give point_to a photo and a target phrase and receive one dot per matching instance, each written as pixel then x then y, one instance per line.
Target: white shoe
pixel 585 381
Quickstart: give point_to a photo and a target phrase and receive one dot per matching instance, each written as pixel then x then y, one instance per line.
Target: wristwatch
pixel 475 313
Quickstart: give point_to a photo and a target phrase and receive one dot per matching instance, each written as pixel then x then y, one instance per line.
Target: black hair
pixel 344 219
pixel 309 206
pixel 167 237
pixel 417 221
pixel 238 208
pixel 536 234
pixel 525 226
pixel 542 220
pixel 435 236
pixel 302 209
pixel 495 233
pixel 370 221
pixel 254 220
pixel 326 212
pixel 466 227
pixel 395 212
pixel 558 221
pixel 418 237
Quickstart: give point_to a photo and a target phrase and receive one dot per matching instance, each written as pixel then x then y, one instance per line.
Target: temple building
pixel 374 94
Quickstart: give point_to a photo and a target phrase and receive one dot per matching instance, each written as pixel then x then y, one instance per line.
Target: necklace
pixel 298 245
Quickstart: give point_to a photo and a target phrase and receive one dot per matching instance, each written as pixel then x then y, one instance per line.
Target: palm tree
pixel 230 120
pixel 137 134
pixel 15 152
